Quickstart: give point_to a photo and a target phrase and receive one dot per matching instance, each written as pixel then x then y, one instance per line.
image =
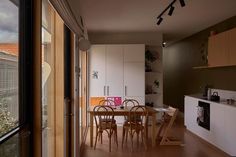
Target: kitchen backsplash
pixel 225 94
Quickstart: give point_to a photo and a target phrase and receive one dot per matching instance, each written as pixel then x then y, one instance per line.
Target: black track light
pixel 182 3
pixel 159 21
pixel 171 10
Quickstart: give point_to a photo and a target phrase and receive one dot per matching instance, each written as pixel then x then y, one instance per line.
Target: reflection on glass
pixel 9 107
pixel 10 148
pixel 47 81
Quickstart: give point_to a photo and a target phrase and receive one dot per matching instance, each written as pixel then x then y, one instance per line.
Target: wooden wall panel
pixel 37 118
pixel 59 87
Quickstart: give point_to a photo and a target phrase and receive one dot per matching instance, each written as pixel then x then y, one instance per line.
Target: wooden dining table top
pixel 125 110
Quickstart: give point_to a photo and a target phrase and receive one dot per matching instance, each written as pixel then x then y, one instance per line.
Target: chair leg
pixel 126 136
pixel 97 134
pixel 101 137
pixel 116 137
pixel 110 142
pixel 123 136
pixel 131 138
pixel 144 136
pixel 137 138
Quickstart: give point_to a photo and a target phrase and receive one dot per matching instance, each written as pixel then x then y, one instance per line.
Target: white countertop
pixel 222 101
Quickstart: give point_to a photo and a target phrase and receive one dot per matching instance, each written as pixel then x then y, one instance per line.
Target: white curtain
pixel 64 10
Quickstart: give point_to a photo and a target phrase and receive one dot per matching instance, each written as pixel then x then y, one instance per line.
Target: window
pixel 9 52
pixel 48 96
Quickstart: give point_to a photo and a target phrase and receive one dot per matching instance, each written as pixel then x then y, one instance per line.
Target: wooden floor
pixel 192 147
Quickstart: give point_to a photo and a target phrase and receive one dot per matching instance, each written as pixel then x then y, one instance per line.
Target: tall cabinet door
pixel 97 69
pixel 114 70
pixel 232 46
pixel 217 50
pixel 134 79
pixel 134 53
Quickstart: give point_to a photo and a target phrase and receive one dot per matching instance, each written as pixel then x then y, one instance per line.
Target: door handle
pixel 125 90
pixel 104 90
pixel 108 91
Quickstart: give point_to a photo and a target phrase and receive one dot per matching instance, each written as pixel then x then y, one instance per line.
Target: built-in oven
pixel 203 114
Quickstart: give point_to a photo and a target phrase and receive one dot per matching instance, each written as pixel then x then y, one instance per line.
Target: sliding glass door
pixel 83 96
pixel 48 79
pixel 14 103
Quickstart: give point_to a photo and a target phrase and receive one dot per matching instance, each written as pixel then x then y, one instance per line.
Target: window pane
pixel 47 81
pixel 9 106
pixel 10 148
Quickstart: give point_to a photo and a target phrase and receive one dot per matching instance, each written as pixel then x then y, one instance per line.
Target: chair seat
pixel 134 126
pixel 107 125
pixel 108 120
pixel 133 119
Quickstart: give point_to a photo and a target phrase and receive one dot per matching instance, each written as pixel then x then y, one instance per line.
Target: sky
pixel 8 22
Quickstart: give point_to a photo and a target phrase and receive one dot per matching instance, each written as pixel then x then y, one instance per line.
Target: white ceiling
pixel 140 16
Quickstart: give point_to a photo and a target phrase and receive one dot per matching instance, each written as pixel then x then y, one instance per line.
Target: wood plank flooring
pixel 192 147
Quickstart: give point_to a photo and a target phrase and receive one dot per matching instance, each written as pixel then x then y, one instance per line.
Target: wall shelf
pixel 153 92
pixel 210 67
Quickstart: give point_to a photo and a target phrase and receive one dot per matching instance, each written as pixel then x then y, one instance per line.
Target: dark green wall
pixel 179 58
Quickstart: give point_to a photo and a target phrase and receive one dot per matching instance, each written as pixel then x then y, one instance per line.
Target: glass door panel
pixel 48 80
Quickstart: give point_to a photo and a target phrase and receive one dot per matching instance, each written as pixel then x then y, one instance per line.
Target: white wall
pixel 147 38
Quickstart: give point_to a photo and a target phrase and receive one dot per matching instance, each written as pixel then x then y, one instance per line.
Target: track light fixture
pixel 182 3
pixel 159 21
pixel 171 10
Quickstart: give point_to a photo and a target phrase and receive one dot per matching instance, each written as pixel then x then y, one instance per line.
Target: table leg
pixel 153 130
pixel 91 130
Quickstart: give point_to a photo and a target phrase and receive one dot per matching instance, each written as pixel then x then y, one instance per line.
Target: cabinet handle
pixel 107 90
pixel 104 90
pixel 125 90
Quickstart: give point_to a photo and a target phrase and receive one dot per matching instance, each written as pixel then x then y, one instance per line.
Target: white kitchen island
pixel 222 131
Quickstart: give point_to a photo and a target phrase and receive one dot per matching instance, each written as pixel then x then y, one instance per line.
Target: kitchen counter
pixel 202 98
pixel 221 132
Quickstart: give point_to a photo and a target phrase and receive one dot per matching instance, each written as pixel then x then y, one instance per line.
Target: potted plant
pixel 149 58
pixel 156 86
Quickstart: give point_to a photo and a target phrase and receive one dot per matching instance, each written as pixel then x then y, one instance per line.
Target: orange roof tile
pixel 10 48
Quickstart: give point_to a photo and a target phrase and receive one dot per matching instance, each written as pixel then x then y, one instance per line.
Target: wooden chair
pixel 136 124
pixel 128 103
pixel 168 119
pixel 107 102
pixel 104 120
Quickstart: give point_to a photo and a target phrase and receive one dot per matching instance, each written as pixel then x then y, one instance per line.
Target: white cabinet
pixel 106 62
pixel 117 70
pixel 114 70
pixel 222 131
pixel 190 111
pixel 230 130
pixel 217 132
pixel 134 53
pixel 97 66
pixel 134 79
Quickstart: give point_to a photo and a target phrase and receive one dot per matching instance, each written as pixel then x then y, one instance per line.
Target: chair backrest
pixel 103 115
pixel 168 120
pixel 130 102
pixel 170 114
pixel 107 102
pixel 138 115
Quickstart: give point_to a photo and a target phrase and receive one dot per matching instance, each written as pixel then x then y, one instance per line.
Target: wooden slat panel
pixel 59 87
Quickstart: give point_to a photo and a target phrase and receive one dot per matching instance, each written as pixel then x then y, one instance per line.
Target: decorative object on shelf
pixel 203 51
pixel 95 75
pixel 148 89
pixel 156 83
pixel 156 86
pixel 212 33
pixel 150 57
pixel 151 104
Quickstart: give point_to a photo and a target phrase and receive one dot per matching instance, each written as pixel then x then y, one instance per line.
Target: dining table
pixel 124 112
